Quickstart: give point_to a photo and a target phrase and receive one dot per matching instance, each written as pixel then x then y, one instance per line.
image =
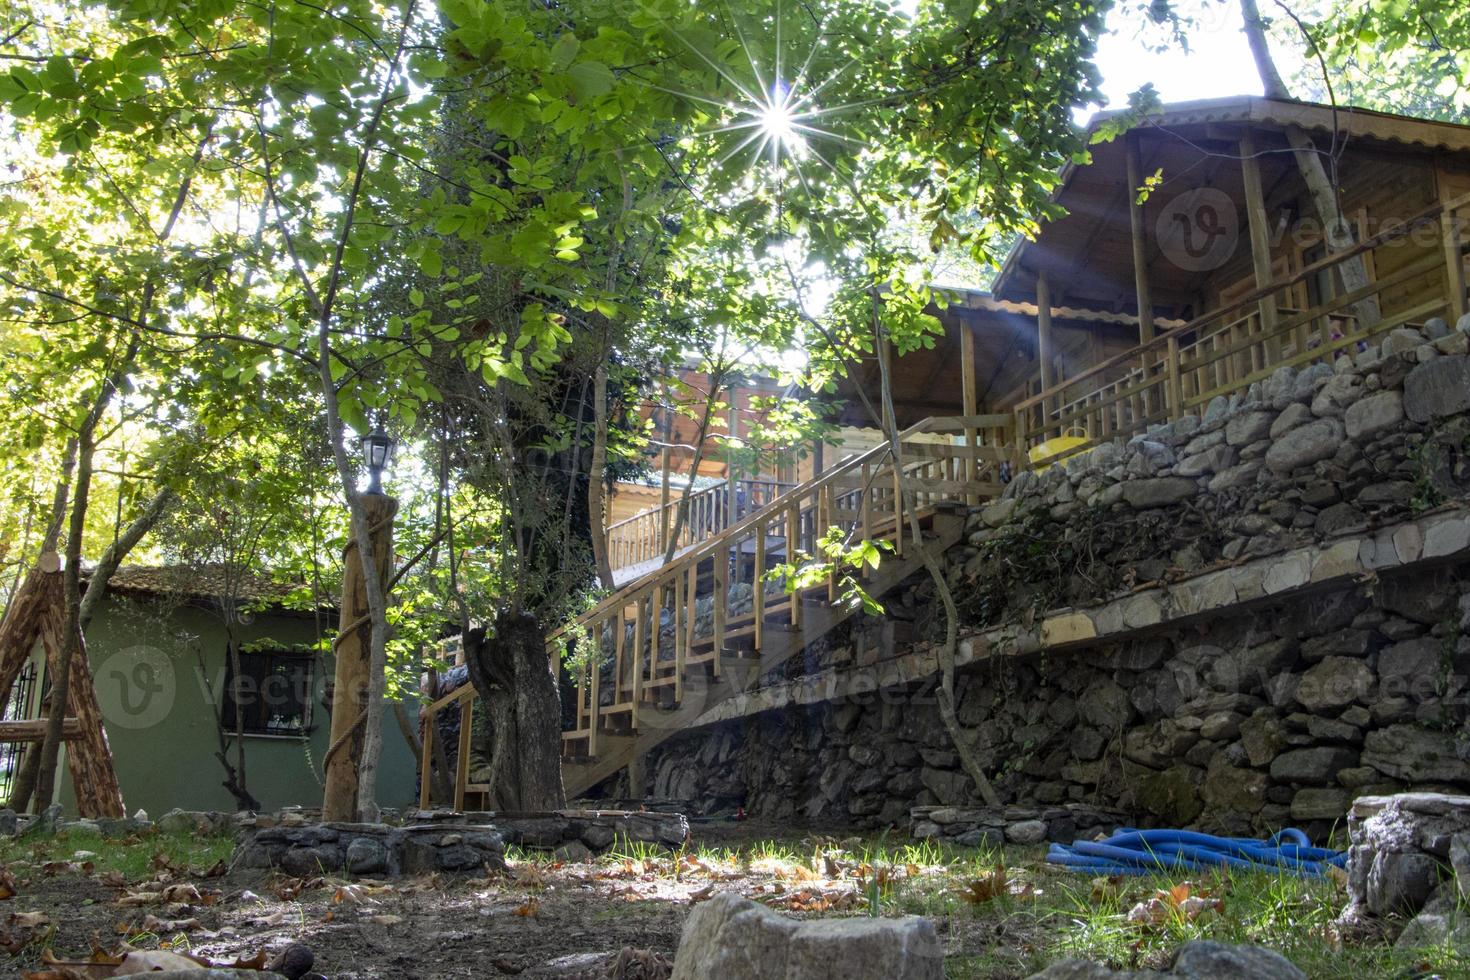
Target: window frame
pixel 254 725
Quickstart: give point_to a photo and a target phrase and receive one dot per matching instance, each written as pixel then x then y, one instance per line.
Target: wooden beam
pixel 1044 346
pixel 34 730
pixel 1260 230
pixel 1140 243
pixel 968 394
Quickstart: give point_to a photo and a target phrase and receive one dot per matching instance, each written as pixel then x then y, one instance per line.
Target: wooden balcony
pixel 1227 350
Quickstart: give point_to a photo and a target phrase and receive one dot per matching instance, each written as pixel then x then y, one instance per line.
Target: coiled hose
pixel 1140 852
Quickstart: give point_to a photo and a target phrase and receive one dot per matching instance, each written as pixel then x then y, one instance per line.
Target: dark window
pixel 17 708
pixel 272 696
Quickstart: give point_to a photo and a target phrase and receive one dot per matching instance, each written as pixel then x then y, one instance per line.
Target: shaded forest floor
pixel 998 914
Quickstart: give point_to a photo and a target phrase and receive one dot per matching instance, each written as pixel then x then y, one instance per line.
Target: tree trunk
pixel 512 674
pixel 597 479
pixel 351 689
pixel 1321 188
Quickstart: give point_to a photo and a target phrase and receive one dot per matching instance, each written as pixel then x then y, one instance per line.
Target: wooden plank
pixel 427 760
pixel 793 535
pixel 462 762
pixel 721 600
pixel 1260 233
pixel 969 397
pixel 758 583
pixel 642 609
pixel 1140 243
pixel 1043 334
pixel 1454 259
pixel 594 683
pixel 959 423
pixel 681 641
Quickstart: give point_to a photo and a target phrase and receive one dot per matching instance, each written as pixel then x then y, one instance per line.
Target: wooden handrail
pixel 1430 214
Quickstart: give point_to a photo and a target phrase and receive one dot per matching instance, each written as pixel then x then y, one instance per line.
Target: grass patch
pixel 132 856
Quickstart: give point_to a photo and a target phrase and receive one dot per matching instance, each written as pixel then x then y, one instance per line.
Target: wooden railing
pixel 641 538
pixel 687 613
pixel 1229 349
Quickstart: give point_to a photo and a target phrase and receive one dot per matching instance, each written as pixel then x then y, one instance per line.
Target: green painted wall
pixel 150 662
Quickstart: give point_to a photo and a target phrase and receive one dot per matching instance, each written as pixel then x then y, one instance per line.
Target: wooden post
pixel 1454 265
pixel 427 762
pixel 1044 342
pixel 1140 242
pixel 1174 392
pixel 462 761
pixel 664 458
pixel 758 586
pixel 1260 235
pixel 970 405
pixel 353 652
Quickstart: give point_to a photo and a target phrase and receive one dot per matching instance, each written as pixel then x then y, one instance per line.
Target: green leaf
pixel 590 79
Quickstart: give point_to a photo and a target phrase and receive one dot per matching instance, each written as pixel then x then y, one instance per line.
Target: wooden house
pixel 1192 262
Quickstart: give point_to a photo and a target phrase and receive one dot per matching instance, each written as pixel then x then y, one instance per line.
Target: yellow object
pixel 1055 445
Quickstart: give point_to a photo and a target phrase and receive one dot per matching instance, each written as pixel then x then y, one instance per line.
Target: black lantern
pixel 377 451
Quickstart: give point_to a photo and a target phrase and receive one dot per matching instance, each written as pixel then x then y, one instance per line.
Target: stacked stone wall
pixel 1277 702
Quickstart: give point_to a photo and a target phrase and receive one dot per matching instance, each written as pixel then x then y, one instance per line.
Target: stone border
pixel 992 826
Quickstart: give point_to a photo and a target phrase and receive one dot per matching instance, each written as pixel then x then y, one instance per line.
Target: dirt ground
pixel 539 919
pixel 999 915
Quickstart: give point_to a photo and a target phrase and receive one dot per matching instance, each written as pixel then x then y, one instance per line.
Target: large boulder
pixel 1437 388
pixel 1305 445
pixel 1158 491
pixel 733 938
pixel 1374 414
pixel 1201 959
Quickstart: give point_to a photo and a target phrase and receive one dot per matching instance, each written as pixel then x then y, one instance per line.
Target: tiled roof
pixel 209 582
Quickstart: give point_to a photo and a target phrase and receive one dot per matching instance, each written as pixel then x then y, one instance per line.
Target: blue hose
pixel 1140 852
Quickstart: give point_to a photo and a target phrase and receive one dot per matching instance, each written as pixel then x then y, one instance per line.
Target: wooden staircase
pixel 663 652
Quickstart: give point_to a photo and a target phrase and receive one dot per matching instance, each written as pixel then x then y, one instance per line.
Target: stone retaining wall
pixel 372 849
pixel 1239 621
pixel 1409 868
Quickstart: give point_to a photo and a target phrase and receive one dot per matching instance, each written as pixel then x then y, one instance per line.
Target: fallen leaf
pixel 531 908
pixel 385 920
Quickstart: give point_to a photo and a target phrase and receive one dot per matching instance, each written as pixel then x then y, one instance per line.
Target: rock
pixel 736 939
pixel 1319 803
pixel 573 852
pixel 1105 706
pixel 1437 389
pixel 1204 959
pixel 1305 445
pixel 1441 922
pixel 1335 682
pixel 1318 765
pixel 1210 461
pixel 1228 787
pixel 1334 397
pixel 9 823
pixel 1294 415
pixel 293 962
pixel 1170 795
pixel 1415 754
pixel 1248 428
pixel 1199 959
pixel 1401 341
pixel 1373 414
pixel 1158 491
pixel 366 856
pixel 1262 737
pixel 1026 832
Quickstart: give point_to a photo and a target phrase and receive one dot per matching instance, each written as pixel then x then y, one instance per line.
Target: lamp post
pixel 377 452
pixel 353 646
